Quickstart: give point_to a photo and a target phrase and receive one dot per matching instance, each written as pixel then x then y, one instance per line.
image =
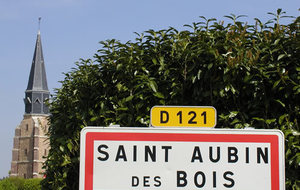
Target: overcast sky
pixel 71 29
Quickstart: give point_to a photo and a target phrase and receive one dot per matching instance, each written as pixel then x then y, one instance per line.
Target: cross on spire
pixel 40 18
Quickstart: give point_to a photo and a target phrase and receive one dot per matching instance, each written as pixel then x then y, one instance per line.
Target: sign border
pixel 90 134
pixel 161 106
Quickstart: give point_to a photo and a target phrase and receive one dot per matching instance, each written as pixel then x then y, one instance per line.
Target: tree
pixel 249 73
pixel 6 184
pixel 17 183
pixel 11 183
pixel 32 184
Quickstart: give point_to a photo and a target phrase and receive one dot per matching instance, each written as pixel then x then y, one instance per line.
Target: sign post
pixel 181 158
pixel 183 116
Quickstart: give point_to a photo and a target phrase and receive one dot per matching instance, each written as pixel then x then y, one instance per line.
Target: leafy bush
pixel 12 183
pixel 6 184
pixel 16 183
pixel 32 184
pixel 249 73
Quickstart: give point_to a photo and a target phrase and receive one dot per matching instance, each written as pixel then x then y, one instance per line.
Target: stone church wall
pixel 30 147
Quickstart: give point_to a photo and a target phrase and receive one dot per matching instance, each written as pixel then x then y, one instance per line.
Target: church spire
pixel 37 89
pixel 37 77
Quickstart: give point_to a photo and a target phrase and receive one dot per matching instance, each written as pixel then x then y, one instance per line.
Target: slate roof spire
pixel 37 89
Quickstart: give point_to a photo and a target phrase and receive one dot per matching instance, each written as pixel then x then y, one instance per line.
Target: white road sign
pixel 181 158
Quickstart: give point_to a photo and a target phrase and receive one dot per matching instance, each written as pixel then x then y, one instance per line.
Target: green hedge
pixel 249 73
pixel 15 183
pixel 32 184
pixel 7 184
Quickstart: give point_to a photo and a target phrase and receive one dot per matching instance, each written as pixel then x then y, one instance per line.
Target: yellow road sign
pixel 183 116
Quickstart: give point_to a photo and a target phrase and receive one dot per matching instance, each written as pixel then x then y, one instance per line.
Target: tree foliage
pixel 17 183
pixel 32 184
pixel 7 184
pixel 249 73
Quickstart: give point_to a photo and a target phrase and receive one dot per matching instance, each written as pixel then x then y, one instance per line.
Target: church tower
pixel 37 89
pixel 30 142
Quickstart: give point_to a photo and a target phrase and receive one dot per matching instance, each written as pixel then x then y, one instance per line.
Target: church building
pixel 30 141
